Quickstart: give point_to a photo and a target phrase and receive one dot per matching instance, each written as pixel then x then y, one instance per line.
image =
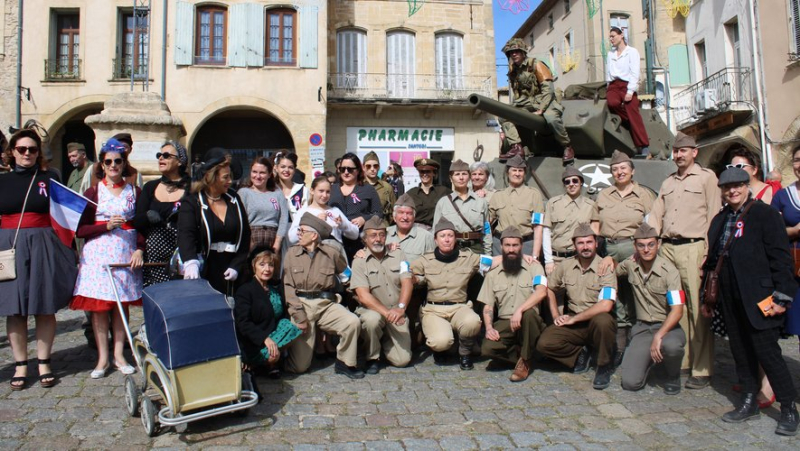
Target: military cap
pixel 733 175
pixel 75 146
pixel 124 138
pixel 645 231
pixel 583 229
pixel 515 44
pixel 459 165
pixel 619 157
pixel 321 227
pixel 420 163
pixel 443 224
pixel 405 201
pixel 516 162
pixel 375 223
pixel 683 140
pixel 371 156
pixel 572 172
pixel 510 232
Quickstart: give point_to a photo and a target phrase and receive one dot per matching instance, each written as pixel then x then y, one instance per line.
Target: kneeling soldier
pixel 586 320
pixel 383 284
pixel 517 288
pixel 309 278
pixel 657 336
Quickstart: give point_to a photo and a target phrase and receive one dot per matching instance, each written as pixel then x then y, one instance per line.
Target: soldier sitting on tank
pixel 531 88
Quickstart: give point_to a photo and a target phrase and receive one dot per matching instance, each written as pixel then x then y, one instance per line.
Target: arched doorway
pixel 73 129
pixel 245 133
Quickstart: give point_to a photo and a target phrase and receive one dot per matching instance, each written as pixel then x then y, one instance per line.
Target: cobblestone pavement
pixel 420 407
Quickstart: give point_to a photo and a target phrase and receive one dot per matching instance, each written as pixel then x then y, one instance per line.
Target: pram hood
pixel 188 322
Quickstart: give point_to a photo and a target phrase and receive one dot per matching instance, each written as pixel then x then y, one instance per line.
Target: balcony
pixel 62 69
pixel 727 91
pixel 405 88
pixel 122 70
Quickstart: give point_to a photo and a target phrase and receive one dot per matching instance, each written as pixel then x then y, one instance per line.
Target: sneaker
pixel 466 362
pixel 602 378
pixel 349 371
pixel 698 382
pixel 521 371
pixel 373 367
pixel 583 362
pixel 787 424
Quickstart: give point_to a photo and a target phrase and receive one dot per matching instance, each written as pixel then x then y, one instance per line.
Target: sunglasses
pixel 347 169
pixel 372 166
pixel 165 155
pixel 108 161
pixel 739 165
pixel 572 181
pixel 26 149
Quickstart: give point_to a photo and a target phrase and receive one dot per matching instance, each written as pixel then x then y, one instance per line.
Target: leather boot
pixel 747 410
pixel 514 150
pixel 569 156
pixel 787 424
pixel 521 371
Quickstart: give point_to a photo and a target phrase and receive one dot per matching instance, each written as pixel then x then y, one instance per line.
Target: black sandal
pixel 17 379
pixel 43 378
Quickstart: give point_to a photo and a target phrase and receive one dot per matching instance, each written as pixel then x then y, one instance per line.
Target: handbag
pixel 711 287
pixel 8 261
pixel 796 256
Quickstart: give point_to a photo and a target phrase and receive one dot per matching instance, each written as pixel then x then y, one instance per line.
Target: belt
pixel 679 241
pixel 316 295
pixel 443 303
pixel 524 238
pixel 469 235
pixel 565 254
pixel 222 247
pixel 619 240
pixel 25 221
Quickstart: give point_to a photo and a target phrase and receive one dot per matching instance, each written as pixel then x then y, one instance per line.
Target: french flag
pixel 607 294
pixel 66 208
pixel 676 297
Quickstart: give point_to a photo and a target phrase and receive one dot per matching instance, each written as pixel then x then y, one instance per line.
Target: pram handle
pixel 127 265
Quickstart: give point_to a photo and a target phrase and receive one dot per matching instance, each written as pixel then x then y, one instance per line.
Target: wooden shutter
pixel 400 64
pixel 184 33
pixel 308 36
pixel 237 35
pixel 449 61
pixel 351 58
pixel 255 34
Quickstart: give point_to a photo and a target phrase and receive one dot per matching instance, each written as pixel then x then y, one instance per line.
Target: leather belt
pixel 443 303
pixel 679 241
pixel 469 235
pixel 619 240
pixel 316 295
pixel 565 254
pixel 222 247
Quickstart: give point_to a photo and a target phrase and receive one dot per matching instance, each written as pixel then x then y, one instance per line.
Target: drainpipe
pixel 654 47
pixel 164 51
pixel 758 64
pixel 18 119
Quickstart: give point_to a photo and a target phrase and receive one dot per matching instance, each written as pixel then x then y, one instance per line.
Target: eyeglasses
pixel 165 155
pixel 572 181
pixel 347 169
pixel 301 231
pixel 108 161
pixel 26 149
pixel 739 165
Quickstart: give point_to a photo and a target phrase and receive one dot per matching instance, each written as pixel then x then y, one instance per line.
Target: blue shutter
pixel 237 35
pixel 184 33
pixel 308 36
pixel 255 35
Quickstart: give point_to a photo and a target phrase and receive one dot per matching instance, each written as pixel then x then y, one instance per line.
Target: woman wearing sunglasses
pixel 357 200
pixel 157 210
pixel 111 237
pixel 38 255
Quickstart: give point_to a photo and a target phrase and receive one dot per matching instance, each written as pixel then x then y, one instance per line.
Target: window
pixel 449 62
pixel 566 6
pixel 621 21
pixel 531 39
pixel 351 59
pixel 67 45
pixel 550 21
pixel 733 51
pixel 568 43
pixel 211 35
pixel 552 55
pixel 132 57
pixel 794 29
pixel 281 35
pixel 400 64
pixel 702 63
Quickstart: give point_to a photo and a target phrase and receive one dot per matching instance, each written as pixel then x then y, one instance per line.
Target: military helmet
pixel 515 44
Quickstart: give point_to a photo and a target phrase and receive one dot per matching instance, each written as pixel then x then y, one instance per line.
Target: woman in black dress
pixel 357 200
pixel 45 267
pixel 157 210
pixel 212 225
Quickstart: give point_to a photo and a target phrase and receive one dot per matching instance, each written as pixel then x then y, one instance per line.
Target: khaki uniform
pixel 306 279
pixel 562 215
pixel 532 95
pixel 426 203
pixel 77 175
pixel 447 307
pixel 583 290
pixel 475 210
pixel 683 210
pixel 515 207
pixel 650 292
pixel 417 242
pixel 382 276
pixel 508 292
pixel 387 197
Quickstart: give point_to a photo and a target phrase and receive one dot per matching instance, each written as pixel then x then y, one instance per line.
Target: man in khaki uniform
pixel 686 203
pixel 620 209
pixel 468 212
pixel 309 278
pixel 427 195
pixel 562 214
pixel 385 192
pixel 587 319
pixel 383 284
pixel 516 289
pixel 447 271
pixel 657 337
pixel 414 241
pixel 519 206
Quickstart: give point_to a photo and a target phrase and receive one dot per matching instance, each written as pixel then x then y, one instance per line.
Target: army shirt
pixel 386 195
pixel 584 288
pixel 686 205
pixel 303 271
pixel 426 203
pixel 417 241
pixel 650 291
pixel 447 282
pixel 508 291
pixel 515 207
pixel 619 216
pixel 562 215
pixel 381 275
pixel 474 209
pixel 528 90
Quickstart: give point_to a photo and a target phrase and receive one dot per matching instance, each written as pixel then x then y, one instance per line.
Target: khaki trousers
pixel 564 343
pixel 625 307
pixel 439 322
pixel 378 333
pixel 637 360
pixel 515 345
pixel 688 258
pixel 330 317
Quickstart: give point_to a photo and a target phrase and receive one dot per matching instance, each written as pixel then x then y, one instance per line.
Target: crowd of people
pixel 354 265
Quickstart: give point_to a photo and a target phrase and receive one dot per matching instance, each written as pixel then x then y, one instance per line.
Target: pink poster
pixel 407 158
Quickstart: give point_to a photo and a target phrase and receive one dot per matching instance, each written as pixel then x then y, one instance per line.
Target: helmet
pixel 515 44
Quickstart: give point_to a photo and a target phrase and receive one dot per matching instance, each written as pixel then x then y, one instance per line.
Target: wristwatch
pixel 401 305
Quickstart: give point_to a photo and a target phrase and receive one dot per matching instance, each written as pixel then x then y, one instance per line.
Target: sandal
pixel 15 381
pixel 47 380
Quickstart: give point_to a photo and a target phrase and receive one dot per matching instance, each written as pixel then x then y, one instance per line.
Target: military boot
pixel 514 150
pixel 569 156
pixel 787 424
pixel 747 410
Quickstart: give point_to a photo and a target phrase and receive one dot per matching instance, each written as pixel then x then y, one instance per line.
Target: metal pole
pixel 164 52
pixel 18 118
pixel 758 65
pixel 122 315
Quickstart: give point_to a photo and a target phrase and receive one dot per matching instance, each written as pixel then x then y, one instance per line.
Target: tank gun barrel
pixel 518 116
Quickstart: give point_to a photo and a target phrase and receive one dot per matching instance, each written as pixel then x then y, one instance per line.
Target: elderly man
pixel 562 214
pixel 309 278
pixel 515 289
pixel 686 203
pixel 77 158
pixel 414 241
pixel 446 271
pixel 467 211
pixel 372 164
pixel 383 284
pixel 519 206
pixel 657 338
pixel 426 195
pixel 587 320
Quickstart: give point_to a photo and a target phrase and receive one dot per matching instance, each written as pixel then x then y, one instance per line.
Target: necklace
pixel 214 199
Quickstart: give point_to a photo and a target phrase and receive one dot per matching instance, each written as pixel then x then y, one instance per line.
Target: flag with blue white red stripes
pixel 676 297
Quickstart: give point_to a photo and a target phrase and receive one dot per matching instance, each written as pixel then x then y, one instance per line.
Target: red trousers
pixel 627 111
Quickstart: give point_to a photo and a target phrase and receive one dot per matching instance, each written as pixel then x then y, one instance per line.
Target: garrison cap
pixel 371 156
pixel 583 229
pixel 75 146
pixel 443 224
pixel 459 165
pixel 510 232
pixel 420 163
pixel 321 227
pixel 375 223
pixel 619 157
pixel 406 201
pixel 733 175
pixel 516 162
pixel 683 140
pixel 645 231
pixel 572 172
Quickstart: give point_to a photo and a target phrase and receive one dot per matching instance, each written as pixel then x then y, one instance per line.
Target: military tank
pixel 594 132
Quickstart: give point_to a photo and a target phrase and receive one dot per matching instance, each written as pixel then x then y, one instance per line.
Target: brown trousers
pixel 564 343
pixel 515 345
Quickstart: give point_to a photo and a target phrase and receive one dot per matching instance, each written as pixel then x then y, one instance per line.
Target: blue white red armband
pixel 676 297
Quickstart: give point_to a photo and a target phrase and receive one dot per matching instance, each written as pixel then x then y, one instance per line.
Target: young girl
pixel 296 194
pixel 320 195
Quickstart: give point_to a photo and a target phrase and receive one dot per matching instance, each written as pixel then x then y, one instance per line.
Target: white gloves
pixel 191 269
pixel 231 274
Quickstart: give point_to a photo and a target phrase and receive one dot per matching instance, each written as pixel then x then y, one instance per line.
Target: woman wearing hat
pixel 157 210
pixel 212 225
pixel 427 195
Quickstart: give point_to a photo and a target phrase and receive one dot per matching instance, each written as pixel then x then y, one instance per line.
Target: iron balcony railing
pixel 62 69
pixel 122 69
pixel 729 89
pixel 370 86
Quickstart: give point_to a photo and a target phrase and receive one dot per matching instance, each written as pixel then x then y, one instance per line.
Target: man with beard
pixel 586 321
pixel 382 282
pixel 77 158
pixel 516 288
pixel 385 191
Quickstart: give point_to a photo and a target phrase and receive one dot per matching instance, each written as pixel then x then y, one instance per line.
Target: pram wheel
pixel 148 411
pixel 131 396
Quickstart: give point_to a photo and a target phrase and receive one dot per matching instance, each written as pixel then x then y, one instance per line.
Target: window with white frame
pixel 621 21
pixel 400 64
pixel 794 29
pixel 351 59
pixel 449 61
pixel 701 60
pixel 566 6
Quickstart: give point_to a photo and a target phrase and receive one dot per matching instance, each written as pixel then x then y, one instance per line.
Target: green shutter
pixel 184 33
pixel 237 35
pixel 679 65
pixel 308 36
